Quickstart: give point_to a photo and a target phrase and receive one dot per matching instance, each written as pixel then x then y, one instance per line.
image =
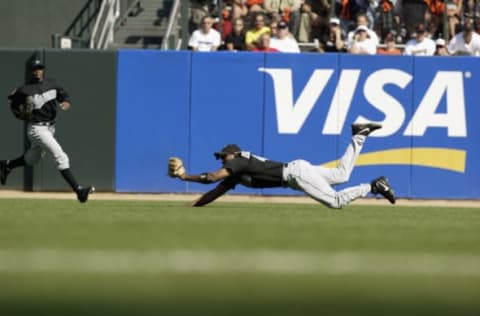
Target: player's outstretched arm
pixel 176 169
pixel 206 177
pixel 212 195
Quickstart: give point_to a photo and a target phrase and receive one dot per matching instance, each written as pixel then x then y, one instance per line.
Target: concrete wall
pixel 30 23
pixel 86 132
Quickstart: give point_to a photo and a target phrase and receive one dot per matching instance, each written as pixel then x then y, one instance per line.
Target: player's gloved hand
pixel 175 167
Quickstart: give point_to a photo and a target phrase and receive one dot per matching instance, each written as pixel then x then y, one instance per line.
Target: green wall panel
pixel 30 23
pixel 86 131
pixel 13 64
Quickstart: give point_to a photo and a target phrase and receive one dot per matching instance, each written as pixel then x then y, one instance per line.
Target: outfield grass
pixel 59 257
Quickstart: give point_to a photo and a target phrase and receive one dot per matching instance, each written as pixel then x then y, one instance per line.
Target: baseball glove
pixel 21 105
pixel 175 167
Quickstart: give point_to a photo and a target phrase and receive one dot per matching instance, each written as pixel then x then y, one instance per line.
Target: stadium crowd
pixel 394 27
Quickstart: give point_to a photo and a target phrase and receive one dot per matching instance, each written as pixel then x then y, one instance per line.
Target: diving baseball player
pixel 242 167
pixel 37 103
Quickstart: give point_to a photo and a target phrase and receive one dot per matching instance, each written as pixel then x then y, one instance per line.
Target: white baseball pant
pixel 317 181
pixel 42 139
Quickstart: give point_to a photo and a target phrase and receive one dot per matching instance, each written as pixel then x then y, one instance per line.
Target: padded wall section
pixel 290 106
pixel 446 102
pixel 227 107
pixel 298 94
pixel 379 89
pixel 153 119
pixel 86 132
pixel 14 64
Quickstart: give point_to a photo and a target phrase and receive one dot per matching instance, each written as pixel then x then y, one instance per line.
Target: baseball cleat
pixel 381 186
pixel 4 171
pixel 82 193
pixel 365 129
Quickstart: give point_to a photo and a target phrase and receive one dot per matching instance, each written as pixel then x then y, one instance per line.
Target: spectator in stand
pixel 205 39
pixel 390 47
pixel 420 45
pixel 239 9
pixel 371 10
pixel 308 18
pixel 454 12
pixel 350 9
pixel 434 15
pixel 362 20
pixel 274 17
pixel 312 12
pixel 235 41
pixel 254 6
pixel 198 10
pixel 471 8
pixel 453 23
pixel 283 41
pixel 273 25
pixel 441 49
pixel 263 44
pixel 386 22
pixel 287 10
pixel 362 44
pixel 225 24
pixel 333 41
pixel 412 13
pixel 254 33
pixel 466 42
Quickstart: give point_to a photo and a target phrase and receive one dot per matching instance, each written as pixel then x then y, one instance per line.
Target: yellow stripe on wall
pixel 442 158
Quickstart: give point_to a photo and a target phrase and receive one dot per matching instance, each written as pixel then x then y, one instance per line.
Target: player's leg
pixel 319 189
pixel 6 166
pixel 341 173
pixel 31 157
pixel 346 163
pixel 301 175
pixel 45 136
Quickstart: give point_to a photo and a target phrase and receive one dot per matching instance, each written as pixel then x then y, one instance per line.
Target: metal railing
pixel 78 32
pixel 312 46
pixel 133 8
pixel 104 28
pixel 82 24
pixel 170 41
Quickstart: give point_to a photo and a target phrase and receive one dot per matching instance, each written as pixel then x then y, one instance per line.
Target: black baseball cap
pixel 282 25
pixel 37 64
pixel 229 149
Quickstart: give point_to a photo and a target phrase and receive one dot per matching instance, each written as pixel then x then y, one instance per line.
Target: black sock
pixel 17 162
pixel 68 176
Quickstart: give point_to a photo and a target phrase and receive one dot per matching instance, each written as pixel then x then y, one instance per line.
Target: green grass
pixel 59 257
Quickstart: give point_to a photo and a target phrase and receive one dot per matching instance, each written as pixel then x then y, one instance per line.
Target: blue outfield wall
pixel 289 106
pixel 153 118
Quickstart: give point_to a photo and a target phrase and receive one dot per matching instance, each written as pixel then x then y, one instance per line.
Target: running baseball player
pixel 37 103
pixel 242 167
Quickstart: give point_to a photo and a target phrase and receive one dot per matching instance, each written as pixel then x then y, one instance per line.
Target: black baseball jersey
pixel 44 96
pixel 254 171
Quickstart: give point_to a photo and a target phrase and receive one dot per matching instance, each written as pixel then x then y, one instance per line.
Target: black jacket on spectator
pixel 238 41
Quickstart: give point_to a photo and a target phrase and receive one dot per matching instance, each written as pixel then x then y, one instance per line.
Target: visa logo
pixel 291 114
